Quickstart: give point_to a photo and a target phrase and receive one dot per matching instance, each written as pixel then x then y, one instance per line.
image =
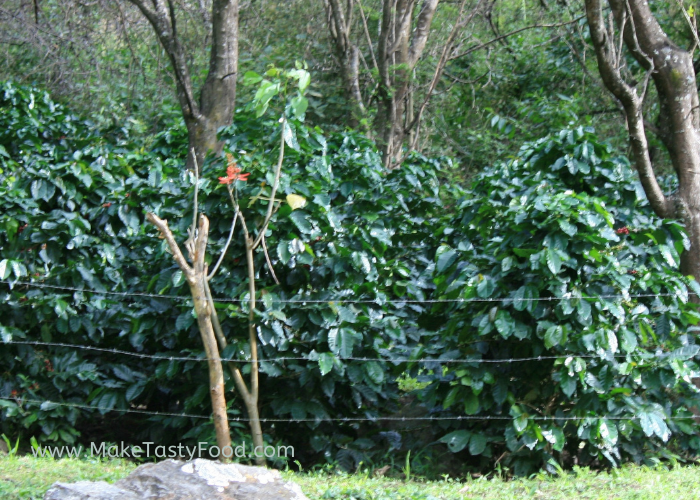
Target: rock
pixel 175 480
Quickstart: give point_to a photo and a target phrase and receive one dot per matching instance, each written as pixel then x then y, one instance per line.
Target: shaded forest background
pixel 516 82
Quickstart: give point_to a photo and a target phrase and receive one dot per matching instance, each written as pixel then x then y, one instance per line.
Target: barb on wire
pixel 546 418
pixel 341 300
pixel 302 358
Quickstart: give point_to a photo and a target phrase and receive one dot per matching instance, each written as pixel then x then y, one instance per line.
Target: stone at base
pixel 174 480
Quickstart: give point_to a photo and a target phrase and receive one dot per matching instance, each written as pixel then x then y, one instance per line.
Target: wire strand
pixel 545 418
pixel 377 301
pixel 302 358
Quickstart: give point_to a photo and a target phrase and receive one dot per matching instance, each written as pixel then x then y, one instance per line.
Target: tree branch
pixel 511 33
pixel 275 185
pixel 162 226
pixel 420 36
pixel 604 45
pixel 444 58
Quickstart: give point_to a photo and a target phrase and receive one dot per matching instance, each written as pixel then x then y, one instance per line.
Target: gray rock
pixel 196 480
pixel 86 490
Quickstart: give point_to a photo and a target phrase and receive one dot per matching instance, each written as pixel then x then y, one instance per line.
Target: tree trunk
pixel 400 46
pixel 400 49
pixel 252 398
pixel 339 22
pixel 196 276
pixel 218 94
pixel 216 373
pixel 671 69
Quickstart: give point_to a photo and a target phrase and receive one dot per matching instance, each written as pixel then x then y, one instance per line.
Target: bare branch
pixel 369 38
pixel 269 263
pixel 511 33
pixel 228 242
pixel 444 58
pixel 275 185
pixel 693 30
pixel 162 226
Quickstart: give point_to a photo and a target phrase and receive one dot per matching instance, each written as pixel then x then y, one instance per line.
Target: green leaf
pixel 504 324
pixel 583 311
pixel 361 262
pixel 266 91
pixel 283 252
pixel 456 441
pixel 606 215
pixel 451 397
pixel 653 424
pixel 374 372
pixel 299 105
pixel 499 392
pixel 445 259
pixel 667 255
pixel 553 261
pixel 553 336
pixel 290 136
pixel 485 288
pixel 184 321
pixel 608 432
pixel 522 298
pixel 178 278
pixel 628 341
pixel 4 269
pixel 11 226
pixel 555 437
pixel 304 80
pixel 301 221
pixel 471 404
pixel 341 341
pixel 567 227
pixel 520 423
pixel 251 78
pixel 477 444
pixel 135 390
pixel 325 363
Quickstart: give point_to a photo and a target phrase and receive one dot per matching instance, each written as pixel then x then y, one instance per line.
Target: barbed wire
pixel 303 358
pixel 545 418
pixel 377 301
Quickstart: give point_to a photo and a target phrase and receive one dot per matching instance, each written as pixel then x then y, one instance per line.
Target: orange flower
pixel 233 173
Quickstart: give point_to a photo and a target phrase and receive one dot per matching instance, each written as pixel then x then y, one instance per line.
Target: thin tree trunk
pixel 196 276
pixel 400 49
pixel 339 22
pixel 216 373
pixel 253 397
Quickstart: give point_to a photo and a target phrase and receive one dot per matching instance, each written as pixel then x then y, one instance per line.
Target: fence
pixel 303 302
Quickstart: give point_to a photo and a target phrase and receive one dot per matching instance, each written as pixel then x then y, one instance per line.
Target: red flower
pixel 106 205
pixel 233 173
pixel 623 230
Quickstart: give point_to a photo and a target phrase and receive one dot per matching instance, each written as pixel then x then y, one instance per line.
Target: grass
pixel 27 477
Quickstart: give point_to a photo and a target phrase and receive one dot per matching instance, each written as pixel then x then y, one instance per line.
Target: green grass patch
pixel 627 483
pixel 28 477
